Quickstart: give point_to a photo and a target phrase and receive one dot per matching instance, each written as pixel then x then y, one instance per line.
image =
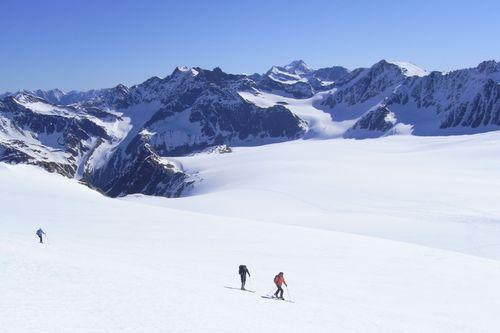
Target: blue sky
pixel 92 44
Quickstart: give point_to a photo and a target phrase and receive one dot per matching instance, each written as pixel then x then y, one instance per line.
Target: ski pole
pixel 288 292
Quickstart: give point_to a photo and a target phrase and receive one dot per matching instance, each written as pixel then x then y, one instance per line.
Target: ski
pixel 234 288
pixel 278 299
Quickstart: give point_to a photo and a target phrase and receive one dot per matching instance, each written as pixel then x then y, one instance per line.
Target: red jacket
pixel 279 280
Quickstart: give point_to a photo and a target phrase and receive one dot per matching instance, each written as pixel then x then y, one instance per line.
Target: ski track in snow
pixel 144 264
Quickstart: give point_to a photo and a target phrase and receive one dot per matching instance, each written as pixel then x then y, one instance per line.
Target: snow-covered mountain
pixel 298 80
pixel 119 140
pixel 58 138
pixel 460 102
pixel 390 98
pixel 355 93
pixel 59 97
pixel 125 140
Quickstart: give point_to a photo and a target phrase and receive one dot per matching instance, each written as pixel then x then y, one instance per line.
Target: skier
pixel 279 280
pixel 39 233
pixel 243 271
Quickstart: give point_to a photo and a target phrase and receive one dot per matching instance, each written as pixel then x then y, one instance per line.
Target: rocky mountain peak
pixel 298 67
pixel 489 66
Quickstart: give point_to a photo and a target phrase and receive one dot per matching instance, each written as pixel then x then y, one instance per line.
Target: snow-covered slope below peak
pixel 111 265
pixel 279 75
pixel 410 69
pixel 39 105
pixel 319 123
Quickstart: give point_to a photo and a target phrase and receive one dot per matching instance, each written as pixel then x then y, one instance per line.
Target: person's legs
pixel 243 281
pixel 281 292
pixel 41 240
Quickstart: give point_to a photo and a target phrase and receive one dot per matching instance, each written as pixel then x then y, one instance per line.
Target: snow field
pixel 135 264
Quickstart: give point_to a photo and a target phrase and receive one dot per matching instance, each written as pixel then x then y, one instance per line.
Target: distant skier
pixel 40 233
pixel 279 280
pixel 243 271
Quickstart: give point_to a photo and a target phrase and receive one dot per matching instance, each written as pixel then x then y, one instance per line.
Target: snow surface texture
pixel 435 191
pixel 144 264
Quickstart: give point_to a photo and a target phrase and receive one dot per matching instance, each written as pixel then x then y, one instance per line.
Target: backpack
pixel 276 279
pixel 242 269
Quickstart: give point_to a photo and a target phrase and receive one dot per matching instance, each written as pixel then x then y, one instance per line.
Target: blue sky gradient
pixel 93 44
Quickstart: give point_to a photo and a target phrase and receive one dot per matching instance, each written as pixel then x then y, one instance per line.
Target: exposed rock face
pixel 330 74
pixel 379 120
pixel 460 102
pixel 139 169
pixel 207 110
pixel 362 88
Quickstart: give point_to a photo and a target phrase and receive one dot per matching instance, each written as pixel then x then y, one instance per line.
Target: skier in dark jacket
pixel 243 271
pixel 39 233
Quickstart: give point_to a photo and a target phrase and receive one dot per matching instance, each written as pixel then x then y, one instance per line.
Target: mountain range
pixel 125 140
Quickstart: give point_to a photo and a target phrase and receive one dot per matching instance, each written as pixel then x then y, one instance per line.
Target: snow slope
pixel 135 265
pixel 435 191
pixel 410 69
pixel 320 124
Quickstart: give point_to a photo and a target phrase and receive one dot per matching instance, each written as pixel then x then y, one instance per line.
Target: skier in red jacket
pixel 279 280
